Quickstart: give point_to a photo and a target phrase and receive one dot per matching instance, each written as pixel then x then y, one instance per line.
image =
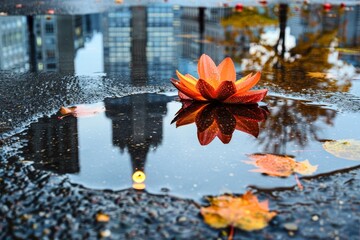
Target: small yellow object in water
pixel 139 177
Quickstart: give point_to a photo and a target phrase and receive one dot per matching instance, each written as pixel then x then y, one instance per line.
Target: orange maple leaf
pixel 279 165
pixel 218 83
pixel 244 212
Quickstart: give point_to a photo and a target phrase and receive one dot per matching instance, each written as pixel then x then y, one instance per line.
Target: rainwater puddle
pixel 135 133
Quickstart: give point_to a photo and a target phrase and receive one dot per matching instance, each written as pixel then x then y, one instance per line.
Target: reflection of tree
pixel 294 73
pixel 246 26
pixel 306 66
pixel 249 17
pixel 292 121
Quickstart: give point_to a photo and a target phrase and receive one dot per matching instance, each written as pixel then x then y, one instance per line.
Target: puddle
pixel 136 133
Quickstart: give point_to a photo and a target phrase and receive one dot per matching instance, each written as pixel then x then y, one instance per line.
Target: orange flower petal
pixel 248 83
pixel 187 81
pixel 205 118
pixel 248 126
pixel 225 120
pixel 183 96
pixel 225 90
pixel 206 137
pixel 247 97
pixel 188 114
pixel 250 112
pixel 191 77
pixel 227 70
pixel 226 124
pixel 208 71
pixel 223 137
pixel 241 80
pixel 188 92
pixel 205 89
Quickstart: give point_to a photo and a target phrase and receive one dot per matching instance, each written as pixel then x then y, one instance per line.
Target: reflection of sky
pixel 89 59
pixel 101 166
pixel 341 70
pixel 271 36
pixel 355 88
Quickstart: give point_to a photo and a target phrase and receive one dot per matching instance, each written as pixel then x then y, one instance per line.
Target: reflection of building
pixel 192 21
pixel 137 124
pixel 53 145
pixel 116 35
pixel 13 44
pixel 162 30
pixel 57 38
pixel 312 19
pixel 139 42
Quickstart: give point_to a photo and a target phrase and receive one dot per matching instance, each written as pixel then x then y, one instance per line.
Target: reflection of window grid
pixel 50 54
pixel 13 43
pixel 117 45
pixel 51 66
pixel 160 48
pixel 49 28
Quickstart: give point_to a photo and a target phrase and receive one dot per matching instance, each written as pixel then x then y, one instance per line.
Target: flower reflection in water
pixel 221 120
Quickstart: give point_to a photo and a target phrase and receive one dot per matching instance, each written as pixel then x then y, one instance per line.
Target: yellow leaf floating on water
pixel 344 148
pixel 245 212
pixel 280 166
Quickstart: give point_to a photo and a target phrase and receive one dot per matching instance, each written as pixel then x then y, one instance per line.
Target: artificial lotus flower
pixel 221 120
pixel 218 83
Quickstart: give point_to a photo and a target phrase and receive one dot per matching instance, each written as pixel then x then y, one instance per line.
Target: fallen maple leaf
pixel 345 148
pixel 245 212
pixel 221 120
pixel 280 166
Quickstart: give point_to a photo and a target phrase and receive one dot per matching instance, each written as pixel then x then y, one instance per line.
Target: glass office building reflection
pixel 140 42
pixel 137 124
pixel 13 44
pixel 57 38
